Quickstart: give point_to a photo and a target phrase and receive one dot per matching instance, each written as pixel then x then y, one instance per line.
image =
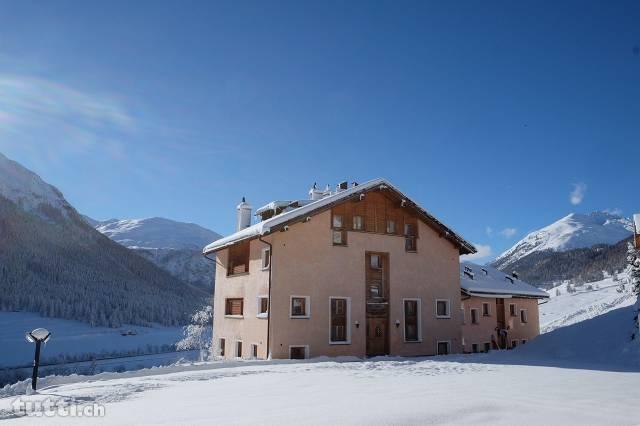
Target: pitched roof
pixel 494 283
pixel 271 224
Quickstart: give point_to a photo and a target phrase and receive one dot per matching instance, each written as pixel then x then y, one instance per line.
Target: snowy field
pixel 75 338
pixel 585 373
pixel 570 308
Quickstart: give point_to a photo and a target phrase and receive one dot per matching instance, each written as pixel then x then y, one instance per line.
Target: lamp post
pixel 37 336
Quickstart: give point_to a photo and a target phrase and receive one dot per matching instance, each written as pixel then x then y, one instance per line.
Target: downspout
pixel 268 296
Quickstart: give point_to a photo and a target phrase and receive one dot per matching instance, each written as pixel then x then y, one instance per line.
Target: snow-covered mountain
pixel 53 263
pixel 174 246
pixel 573 231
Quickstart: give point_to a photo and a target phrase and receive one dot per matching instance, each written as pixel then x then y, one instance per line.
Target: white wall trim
pixel 348 321
pixel 404 318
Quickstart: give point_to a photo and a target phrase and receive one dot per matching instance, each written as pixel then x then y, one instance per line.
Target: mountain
pixel 174 246
pixel 571 232
pixel 52 262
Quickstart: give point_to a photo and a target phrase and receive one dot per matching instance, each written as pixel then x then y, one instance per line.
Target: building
pixel 361 271
pixel 498 311
pixel 636 233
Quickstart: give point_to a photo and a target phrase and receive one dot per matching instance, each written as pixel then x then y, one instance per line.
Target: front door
pixel 377 336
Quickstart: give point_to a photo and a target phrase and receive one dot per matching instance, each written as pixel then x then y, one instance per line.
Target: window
pixel 512 309
pixel 474 348
pixel 238 262
pixel 266 258
pixel 514 343
pixel 234 307
pixel 337 222
pixel 376 261
pixel 412 320
pixel 358 223
pixel 487 346
pixel 443 348
pixel 391 226
pixel 339 238
pixel 298 352
pixel 263 306
pixel 409 237
pixel 474 316
pixel 299 307
pixel 485 310
pixel 523 316
pixel 340 332
pixel 238 349
pixel 254 351
pixel 442 308
pixel 523 341
pixel 222 343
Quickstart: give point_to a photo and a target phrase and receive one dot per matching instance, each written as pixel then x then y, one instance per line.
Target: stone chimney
pixel 244 215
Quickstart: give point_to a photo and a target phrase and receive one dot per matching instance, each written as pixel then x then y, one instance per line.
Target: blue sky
pixel 499 118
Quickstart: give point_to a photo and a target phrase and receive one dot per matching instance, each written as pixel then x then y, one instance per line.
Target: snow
pixel 573 231
pixel 27 189
pixel 264 227
pixel 570 308
pixel 156 233
pixel 73 338
pixel 585 373
pixel 495 282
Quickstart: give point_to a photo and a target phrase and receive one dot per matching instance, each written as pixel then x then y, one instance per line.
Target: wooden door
pixel 377 336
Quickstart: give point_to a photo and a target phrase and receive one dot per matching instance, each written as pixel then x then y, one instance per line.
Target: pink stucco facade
pixel 305 263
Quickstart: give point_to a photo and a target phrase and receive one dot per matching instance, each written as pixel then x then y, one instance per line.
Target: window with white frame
pixel 412 324
pixel 486 310
pixel 444 347
pixel 512 309
pixel 299 307
pixel 263 306
pixel 523 316
pixel 474 316
pixel 266 258
pixel 340 311
pixel 443 308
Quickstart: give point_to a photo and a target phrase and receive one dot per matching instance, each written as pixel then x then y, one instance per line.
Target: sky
pixel 497 117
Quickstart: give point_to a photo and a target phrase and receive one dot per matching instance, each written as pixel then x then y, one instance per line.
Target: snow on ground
pixel 74 338
pixel 588 301
pixel 585 373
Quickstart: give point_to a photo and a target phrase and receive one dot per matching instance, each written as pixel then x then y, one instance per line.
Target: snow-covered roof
pixel 636 221
pixel 490 282
pixel 264 227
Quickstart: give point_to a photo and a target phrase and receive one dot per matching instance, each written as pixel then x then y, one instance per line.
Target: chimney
pixel 315 193
pixel 244 215
pixel 342 186
pixel 514 274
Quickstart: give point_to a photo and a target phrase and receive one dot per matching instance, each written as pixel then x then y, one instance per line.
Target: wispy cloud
pixel 55 119
pixel 577 195
pixel 489 231
pixel 508 232
pixel 484 251
pixel 615 211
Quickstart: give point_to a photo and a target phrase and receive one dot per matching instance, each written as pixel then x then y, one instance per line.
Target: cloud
pixel 616 211
pixel 489 231
pixel 53 119
pixel 484 251
pixel 508 232
pixel 577 195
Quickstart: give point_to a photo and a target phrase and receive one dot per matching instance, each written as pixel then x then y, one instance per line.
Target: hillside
pixel 571 232
pixel 53 263
pixel 174 246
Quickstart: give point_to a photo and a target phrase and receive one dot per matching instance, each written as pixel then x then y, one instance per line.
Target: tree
pixel 633 260
pixel 198 334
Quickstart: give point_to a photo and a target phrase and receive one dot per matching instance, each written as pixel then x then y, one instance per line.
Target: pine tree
pixel 633 260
